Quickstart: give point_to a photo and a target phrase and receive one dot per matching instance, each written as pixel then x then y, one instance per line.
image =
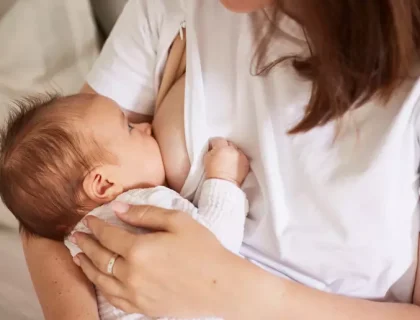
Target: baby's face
pixel 139 161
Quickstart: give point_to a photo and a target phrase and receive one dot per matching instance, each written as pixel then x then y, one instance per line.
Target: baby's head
pixel 60 157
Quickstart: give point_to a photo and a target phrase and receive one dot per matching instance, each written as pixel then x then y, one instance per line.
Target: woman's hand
pixel 180 270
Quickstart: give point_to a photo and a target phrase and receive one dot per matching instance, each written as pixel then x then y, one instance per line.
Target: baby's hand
pixel 225 161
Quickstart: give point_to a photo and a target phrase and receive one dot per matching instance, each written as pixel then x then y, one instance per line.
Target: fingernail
pixel 72 239
pixel 120 207
pixel 76 260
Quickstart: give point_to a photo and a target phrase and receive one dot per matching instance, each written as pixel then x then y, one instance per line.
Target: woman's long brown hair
pixel 360 49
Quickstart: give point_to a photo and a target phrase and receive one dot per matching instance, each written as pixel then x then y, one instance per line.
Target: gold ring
pixel 111 263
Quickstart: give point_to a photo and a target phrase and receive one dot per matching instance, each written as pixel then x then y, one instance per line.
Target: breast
pixel 168 127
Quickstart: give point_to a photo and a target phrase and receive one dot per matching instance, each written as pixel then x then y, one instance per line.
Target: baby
pixel 62 158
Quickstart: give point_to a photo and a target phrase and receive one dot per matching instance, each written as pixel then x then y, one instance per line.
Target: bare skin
pixel 168 128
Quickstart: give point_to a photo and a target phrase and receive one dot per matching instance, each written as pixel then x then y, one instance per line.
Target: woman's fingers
pixel 104 282
pixel 114 238
pixel 149 217
pixel 100 256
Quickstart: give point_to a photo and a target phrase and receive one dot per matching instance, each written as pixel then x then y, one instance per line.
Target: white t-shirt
pixel 337 215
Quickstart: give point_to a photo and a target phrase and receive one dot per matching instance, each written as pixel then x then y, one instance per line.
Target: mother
pixel 331 124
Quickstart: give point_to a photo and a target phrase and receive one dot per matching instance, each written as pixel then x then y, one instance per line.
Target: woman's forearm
pixel 270 297
pixel 204 279
pixel 63 291
pixel 301 302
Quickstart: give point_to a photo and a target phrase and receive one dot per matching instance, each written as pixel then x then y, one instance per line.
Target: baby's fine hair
pixel 44 158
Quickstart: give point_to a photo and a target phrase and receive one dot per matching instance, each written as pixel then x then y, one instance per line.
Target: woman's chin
pixel 245 6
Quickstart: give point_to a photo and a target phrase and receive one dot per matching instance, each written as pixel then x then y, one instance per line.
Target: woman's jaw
pixel 246 6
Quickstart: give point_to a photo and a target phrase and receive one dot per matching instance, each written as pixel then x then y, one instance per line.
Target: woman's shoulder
pixel 125 69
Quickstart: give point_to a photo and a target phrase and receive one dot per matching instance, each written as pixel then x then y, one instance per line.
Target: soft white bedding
pixel 44 45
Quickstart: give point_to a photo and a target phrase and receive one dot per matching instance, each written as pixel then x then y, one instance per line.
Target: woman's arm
pixel 300 302
pixel 63 291
pixel 319 305
pixel 189 274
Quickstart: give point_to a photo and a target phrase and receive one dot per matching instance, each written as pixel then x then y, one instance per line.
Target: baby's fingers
pixel 217 143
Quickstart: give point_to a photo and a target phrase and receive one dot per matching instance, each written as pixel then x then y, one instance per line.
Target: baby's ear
pixel 100 187
pixel 64 229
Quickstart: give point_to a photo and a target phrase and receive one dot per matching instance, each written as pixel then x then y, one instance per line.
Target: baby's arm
pixel 223 206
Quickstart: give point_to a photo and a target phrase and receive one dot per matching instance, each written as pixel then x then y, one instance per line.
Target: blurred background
pixel 45 45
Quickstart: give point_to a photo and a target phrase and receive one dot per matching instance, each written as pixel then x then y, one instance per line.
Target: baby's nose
pixel 145 127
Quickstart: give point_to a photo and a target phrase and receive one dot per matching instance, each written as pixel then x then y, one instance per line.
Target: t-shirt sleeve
pixel 125 69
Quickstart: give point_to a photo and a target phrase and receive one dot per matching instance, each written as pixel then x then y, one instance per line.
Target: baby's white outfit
pixel 222 208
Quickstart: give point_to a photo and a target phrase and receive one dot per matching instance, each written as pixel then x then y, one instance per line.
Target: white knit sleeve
pixel 222 208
